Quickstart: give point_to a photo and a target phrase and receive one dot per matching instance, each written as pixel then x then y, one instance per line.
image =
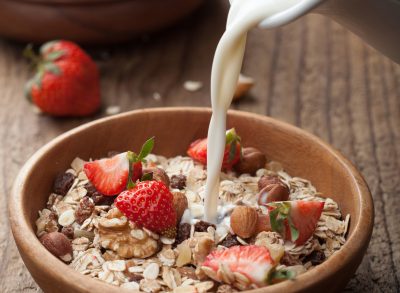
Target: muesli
pixel 135 221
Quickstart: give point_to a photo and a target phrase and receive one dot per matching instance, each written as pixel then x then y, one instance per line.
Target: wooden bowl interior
pixel 301 154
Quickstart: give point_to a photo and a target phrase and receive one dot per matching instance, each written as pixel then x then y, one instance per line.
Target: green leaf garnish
pixel 147 147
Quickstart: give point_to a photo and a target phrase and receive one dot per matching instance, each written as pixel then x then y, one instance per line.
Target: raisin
pixel 178 181
pixel 84 210
pixel 68 231
pixel 229 241
pixel 134 277
pixel 202 226
pixel 63 183
pixel 316 257
pixel 183 233
pixel 97 197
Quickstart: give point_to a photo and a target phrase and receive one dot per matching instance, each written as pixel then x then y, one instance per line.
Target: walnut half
pixel 120 235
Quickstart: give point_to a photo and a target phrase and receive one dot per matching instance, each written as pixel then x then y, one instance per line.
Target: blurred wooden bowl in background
pixel 88 21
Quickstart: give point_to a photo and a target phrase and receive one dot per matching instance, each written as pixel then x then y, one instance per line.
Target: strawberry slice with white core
pixel 295 220
pixel 109 176
pixel 253 261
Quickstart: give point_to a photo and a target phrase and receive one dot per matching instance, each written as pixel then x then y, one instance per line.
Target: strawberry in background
pixel 66 82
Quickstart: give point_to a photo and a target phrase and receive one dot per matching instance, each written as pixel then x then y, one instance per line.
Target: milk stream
pixel 243 15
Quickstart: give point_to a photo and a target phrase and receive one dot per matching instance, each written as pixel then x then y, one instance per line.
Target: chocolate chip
pixel 229 241
pixel 68 231
pixel 183 233
pixel 97 197
pixel 202 226
pixel 63 183
pixel 84 210
pixel 178 181
pixel 316 257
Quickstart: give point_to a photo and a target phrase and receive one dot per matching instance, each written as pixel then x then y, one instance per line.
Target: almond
pixel 58 244
pixel 180 205
pixel 244 84
pixel 243 221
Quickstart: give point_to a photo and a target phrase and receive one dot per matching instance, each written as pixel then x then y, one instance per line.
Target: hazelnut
pixel 266 180
pixel 272 189
pixel 243 221
pixel 244 84
pixel 158 175
pixel 180 204
pixel 58 244
pixel 263 223
pixel 252 160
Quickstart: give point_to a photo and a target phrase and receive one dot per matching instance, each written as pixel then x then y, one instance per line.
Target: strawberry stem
pixel 132 158
pixel 30 54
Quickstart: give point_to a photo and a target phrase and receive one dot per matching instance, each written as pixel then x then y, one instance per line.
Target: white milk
pixel 243 15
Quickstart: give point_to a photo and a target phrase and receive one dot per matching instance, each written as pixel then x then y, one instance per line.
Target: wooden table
pixel 311 73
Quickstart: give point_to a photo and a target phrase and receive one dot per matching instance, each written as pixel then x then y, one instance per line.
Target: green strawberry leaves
pixel 278 215
pixel 147 147
pixel 281 275
pixel 133 158
pixel 232 139
pixel 43 64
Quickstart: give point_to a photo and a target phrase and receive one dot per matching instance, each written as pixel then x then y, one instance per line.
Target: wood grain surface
pixel 311 73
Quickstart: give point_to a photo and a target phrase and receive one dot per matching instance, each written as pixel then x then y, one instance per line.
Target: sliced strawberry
pixel 198 150
pixel 253 261
pixel 109 176
pixel 295 220
pixel 149 204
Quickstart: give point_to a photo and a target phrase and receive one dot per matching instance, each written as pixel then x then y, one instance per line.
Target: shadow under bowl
pixel 300 153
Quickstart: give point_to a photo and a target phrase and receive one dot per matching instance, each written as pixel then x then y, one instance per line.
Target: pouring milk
pixel 228 58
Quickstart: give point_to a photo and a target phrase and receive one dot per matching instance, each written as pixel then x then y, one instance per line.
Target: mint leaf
pixel 147 147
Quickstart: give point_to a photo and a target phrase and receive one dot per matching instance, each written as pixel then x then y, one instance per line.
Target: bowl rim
pixel 25 237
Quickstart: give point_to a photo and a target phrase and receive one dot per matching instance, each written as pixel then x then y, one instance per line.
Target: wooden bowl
pixel 301 154
pixel 88 21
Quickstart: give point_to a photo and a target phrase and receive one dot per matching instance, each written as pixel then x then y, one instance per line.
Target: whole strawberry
pixel 232 154
pixel 150 205
pixel 66 82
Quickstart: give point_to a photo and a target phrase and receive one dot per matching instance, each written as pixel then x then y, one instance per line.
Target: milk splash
pixel 243 15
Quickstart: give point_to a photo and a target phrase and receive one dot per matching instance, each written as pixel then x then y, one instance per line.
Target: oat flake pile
pixel 109 247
